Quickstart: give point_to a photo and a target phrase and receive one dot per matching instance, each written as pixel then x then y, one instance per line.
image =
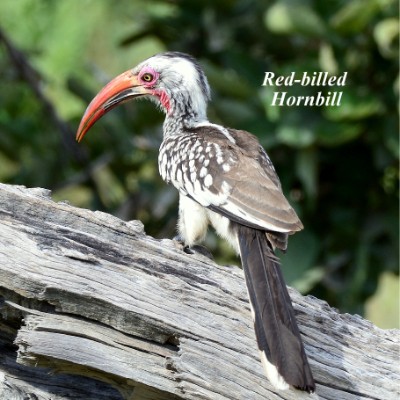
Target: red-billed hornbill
pixel 226 179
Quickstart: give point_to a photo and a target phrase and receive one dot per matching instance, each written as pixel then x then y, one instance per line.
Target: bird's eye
pixel 147 77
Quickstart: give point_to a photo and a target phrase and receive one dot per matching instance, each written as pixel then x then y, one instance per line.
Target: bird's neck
pixel 178 123
pixel 183 110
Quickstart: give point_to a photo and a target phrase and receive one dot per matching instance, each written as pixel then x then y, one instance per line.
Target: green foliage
pixel 338 165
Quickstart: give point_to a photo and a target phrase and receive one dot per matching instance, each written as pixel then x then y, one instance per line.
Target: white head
pixel 174 80
pixel 178 83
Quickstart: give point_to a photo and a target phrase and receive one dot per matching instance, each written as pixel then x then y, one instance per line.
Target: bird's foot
pixel 198 249
pixel 195 249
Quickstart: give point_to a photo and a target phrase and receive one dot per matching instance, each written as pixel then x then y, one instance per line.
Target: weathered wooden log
pixel 102 306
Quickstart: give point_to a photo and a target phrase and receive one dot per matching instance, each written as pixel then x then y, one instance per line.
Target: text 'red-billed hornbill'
pixel 226 179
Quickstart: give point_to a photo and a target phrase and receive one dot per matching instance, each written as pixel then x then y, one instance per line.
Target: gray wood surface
pixel 92 308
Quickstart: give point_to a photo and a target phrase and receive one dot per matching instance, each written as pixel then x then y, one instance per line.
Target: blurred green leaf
pixel 388 290
pixel 272 113
pixel 327 59
pixel 80 195
pixel 290 16
pixel 307 171
pixel 295 136
pixel 8 167
pixel 390 179
pixel 391 141
pixel 301 255
pixel 385 33
pixel 110 189
pixel 228 82
pixel 309 279
pixel 336 133
pixel 355 107
pixel 354 16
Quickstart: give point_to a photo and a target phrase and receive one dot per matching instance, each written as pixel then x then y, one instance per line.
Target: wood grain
pixel 116 314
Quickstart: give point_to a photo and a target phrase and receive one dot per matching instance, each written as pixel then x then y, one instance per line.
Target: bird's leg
pixel 192 226
pixel 178 239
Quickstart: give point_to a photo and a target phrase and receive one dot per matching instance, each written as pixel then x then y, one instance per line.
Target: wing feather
pixel 236 180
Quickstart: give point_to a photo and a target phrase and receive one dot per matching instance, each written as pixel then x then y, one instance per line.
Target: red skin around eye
pixel 149 70
pixel 161 94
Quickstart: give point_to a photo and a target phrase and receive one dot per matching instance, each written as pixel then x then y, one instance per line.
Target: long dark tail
pixel 278 336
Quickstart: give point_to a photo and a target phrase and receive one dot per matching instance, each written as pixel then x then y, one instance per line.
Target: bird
pixel 225 179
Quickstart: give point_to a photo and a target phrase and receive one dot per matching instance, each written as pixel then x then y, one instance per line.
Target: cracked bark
pixel 92 308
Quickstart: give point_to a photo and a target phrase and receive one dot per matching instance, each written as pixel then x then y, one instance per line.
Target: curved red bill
pixel 121 88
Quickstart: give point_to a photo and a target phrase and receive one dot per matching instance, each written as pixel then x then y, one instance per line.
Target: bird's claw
pixel 195 249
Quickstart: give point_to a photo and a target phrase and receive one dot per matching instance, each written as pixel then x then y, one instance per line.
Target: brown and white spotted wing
pixel 228 178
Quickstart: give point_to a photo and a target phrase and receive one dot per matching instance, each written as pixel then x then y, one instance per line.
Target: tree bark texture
pixel 93 308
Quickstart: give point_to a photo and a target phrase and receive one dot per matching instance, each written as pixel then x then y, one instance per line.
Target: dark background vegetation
pixel 338 165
